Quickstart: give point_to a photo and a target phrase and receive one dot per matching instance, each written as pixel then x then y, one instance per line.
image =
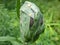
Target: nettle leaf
pixel 27 11
pixel 24 24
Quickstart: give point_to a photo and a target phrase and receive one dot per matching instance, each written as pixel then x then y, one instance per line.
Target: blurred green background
pixel 9 21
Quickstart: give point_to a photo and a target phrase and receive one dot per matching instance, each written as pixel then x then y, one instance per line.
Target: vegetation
pixel 10 22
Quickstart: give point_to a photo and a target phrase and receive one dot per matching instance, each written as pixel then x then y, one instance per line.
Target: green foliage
pixel 9 26
pixel 10 23
pixel 9 4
